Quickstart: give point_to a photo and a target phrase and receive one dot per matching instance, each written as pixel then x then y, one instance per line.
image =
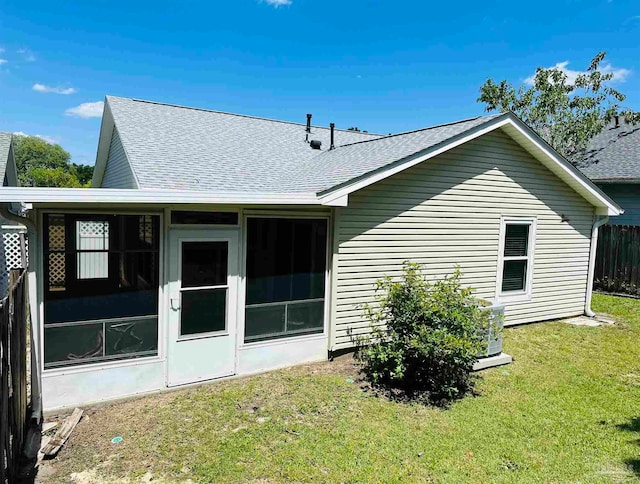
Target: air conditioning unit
pixel 493 337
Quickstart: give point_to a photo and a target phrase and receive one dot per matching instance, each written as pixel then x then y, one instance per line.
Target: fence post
pixel 5 434
pixel 14 406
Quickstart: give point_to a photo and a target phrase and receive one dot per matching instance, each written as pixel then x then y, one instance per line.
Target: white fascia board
pixel 148 196
pixel 335 201
pixel 588 190
pixel 412 161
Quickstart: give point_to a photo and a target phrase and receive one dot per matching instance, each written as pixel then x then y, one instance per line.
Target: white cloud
pixel 620 74
pixel 27 55
pixel 48 139
pixel 278 3
pixel 87 110
pixel 1 50
pixel 3 61
pixel 53 89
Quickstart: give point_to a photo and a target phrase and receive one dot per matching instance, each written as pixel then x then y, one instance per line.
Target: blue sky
pixel 385 66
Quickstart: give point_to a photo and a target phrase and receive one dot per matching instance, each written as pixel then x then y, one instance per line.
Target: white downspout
pixel 592 263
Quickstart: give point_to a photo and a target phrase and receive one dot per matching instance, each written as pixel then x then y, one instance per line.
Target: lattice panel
pixel 10 255
pixel 56 237
pixel 90 228
pixel 56 271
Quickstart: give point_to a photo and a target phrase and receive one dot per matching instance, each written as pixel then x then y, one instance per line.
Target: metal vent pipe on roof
pixel 308 129
pixel 333 128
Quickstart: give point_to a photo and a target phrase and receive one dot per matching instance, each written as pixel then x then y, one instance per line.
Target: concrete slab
pixel 605 319
pixel 491 361
pixel 583 321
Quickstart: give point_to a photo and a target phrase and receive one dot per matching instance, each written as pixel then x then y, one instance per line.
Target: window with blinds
pixel 516 256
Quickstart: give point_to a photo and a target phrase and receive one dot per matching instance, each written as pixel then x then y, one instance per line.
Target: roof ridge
pixel 491 116
pixel 239 115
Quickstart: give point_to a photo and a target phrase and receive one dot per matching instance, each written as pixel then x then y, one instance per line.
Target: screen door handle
pixel 175 304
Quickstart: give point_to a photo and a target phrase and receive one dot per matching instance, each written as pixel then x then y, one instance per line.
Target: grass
pixel 566 410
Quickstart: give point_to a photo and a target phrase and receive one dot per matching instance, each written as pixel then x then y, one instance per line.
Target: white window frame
pixel 527 293
pixel 98 261
pixel 182 290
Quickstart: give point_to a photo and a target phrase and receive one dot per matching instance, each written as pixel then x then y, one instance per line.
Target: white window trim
pixel 527 294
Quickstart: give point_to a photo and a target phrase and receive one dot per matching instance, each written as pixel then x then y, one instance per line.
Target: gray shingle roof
pixel 346 163
pixel 5 145
pixel 184 148
pixel 614 154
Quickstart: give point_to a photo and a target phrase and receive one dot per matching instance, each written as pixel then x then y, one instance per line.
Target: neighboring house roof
pixel 215 157
pixel 5 149
pixel 8 171
pixel 614 155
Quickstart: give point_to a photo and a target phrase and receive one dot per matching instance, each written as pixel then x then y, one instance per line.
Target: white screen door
pixel 203 302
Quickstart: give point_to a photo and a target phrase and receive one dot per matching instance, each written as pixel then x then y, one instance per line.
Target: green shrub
pixel 425 337
pixel 616 285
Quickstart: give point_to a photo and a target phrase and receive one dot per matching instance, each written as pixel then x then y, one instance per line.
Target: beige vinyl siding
pixel 447 211
pixel 118 173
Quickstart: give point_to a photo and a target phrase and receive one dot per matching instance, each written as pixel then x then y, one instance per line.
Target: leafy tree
pixel 53 177
pixel 84 173
pixel 566 114
pixel 47 165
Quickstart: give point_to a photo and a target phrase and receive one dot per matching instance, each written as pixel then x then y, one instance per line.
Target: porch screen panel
pixel 101 293
pixel 286 264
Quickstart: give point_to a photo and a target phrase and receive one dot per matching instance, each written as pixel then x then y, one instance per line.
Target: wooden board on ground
pixel 45 441
pixel 48 426
pixel 63 433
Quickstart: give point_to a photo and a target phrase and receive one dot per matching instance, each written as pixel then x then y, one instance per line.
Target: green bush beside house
pixel 425 336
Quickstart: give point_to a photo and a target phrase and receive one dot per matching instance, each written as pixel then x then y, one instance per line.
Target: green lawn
pixel 566 410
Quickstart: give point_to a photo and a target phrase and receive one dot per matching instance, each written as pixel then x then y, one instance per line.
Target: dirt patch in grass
pixel 89 455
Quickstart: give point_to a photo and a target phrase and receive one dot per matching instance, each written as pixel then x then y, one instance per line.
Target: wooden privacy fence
pixel 618 259
pixel 14 407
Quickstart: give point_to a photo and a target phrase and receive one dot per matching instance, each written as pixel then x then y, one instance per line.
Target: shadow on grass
pixel 633 426
pixel 409 396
